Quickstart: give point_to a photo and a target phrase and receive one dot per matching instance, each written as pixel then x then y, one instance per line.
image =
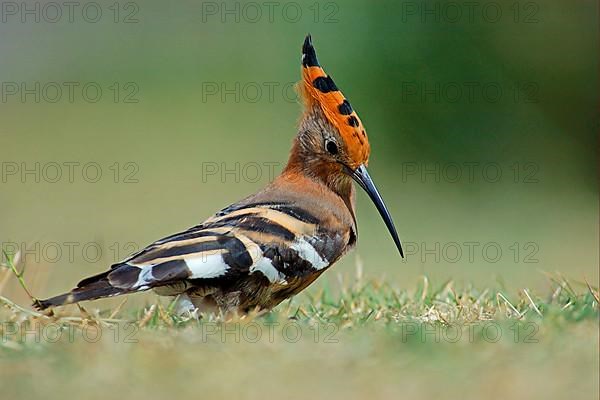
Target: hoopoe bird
pixel 273 244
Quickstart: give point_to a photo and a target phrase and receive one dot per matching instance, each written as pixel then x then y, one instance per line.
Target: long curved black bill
pixel 361 176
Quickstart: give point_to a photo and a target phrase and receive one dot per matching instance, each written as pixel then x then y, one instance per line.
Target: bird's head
pixel 332 144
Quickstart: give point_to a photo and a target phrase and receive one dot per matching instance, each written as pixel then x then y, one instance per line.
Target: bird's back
pixel 289 233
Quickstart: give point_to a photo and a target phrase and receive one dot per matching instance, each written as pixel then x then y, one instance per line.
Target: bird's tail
pixel 95 287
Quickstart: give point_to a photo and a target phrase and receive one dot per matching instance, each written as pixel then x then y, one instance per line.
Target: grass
pixel 365 338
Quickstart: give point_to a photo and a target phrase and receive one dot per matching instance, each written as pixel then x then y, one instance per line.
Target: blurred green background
pixel 509 88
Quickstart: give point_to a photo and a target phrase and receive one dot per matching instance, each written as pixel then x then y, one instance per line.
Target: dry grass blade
pixel 593 292
pixel 536 309
pixel 508 303
pixel 118 309
pixel 482 296
pixel 566 284
pixel 425 288
pixel 84 312
pixel 555 294
pixel 147 316
pixel 570 303
pixel 88 318
pixel 163 315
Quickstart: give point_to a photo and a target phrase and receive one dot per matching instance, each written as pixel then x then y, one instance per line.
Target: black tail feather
pixel 91 291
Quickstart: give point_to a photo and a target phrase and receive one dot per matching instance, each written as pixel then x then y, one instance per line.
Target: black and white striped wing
pixel 277 240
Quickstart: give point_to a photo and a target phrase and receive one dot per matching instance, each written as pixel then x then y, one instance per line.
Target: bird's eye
pixel 331 147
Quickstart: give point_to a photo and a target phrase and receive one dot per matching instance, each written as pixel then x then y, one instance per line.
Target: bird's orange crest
pixel 318 88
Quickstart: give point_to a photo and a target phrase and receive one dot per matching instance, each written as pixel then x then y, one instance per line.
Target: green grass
pixel 361 338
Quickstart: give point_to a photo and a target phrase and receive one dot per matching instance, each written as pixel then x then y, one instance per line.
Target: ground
pixel 364 339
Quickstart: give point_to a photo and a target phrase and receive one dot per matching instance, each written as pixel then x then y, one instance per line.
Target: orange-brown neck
pixel 305 164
